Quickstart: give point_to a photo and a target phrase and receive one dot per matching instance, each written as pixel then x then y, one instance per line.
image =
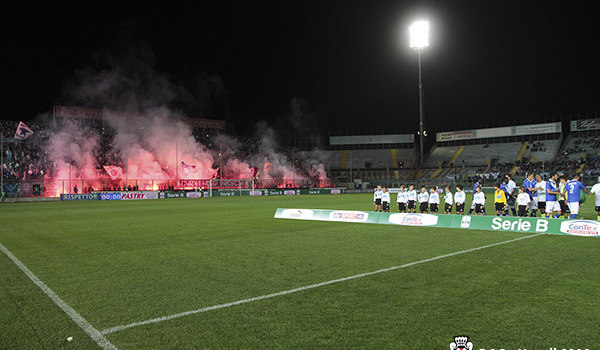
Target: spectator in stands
pixel 75 189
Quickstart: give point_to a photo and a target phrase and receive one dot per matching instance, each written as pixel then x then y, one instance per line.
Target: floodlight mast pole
pixel 421 148
pixel 419 39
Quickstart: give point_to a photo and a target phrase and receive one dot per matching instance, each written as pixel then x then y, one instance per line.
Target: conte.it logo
pixel 461 342
pixel 465 222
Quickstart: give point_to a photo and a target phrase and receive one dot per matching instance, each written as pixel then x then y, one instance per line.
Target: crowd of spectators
pixel 537 146
pixel 23 159
pixel 581 145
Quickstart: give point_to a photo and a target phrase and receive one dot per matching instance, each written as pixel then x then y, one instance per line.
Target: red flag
pixel 23 131
pixel 115 172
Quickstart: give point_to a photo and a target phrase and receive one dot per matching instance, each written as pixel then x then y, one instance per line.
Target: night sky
pixel 490 63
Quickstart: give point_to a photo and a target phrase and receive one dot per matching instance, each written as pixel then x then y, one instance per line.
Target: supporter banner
pixel 206 183
pixel 138 195
pixel 371 139
pixel 519 130
pixel 585 228
pixel 80 197
pixel 585 124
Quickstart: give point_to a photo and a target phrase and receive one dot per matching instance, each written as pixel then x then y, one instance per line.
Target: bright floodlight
pixel 419 34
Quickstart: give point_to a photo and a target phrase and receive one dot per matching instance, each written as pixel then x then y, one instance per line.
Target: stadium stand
pixel 450 161
pixel 542 151
pixel 440 155
pixel 577 147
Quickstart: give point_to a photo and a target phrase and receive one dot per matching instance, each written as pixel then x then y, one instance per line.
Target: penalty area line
pixel 300 289
pixel 95 334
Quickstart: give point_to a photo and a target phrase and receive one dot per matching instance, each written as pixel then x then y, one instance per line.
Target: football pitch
pixel 223 273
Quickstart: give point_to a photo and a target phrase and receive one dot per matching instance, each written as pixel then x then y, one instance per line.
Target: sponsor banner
pixel 534 129
pixel 348 216
pixel 196 194
pixel 256 193
pixel 138 195
pixel 519 130
pixel 455 135
pixel 300 214
pixel 290 192
pixel 171 194
pixel 110 196
pixel 229 193
pixel 413 219
pixel 585 124
pixel 371 139
pixel 80 197
pixel 336 191
pixel 585 228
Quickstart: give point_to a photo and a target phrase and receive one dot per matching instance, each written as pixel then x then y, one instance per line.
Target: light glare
pixel 419 34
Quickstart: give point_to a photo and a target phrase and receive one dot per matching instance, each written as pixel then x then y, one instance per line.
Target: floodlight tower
pixel 419 39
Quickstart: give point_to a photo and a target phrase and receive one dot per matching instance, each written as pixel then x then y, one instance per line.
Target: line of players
pixel 548 196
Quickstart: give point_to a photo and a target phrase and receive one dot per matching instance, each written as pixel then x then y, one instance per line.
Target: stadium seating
pixel 439 155
pixel 473 155
pixel 542 151
pixel 577 147
pixel 364 159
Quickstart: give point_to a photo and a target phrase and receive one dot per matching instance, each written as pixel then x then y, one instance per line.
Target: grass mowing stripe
pixel 312 286
pixel 95 334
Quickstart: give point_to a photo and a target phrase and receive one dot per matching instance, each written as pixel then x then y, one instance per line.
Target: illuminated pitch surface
pixel 121 262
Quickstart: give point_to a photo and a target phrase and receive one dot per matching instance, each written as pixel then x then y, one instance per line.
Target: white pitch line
pixel 95 334
pixel 300 289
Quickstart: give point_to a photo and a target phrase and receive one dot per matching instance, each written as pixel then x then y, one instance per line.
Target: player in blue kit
pixel 529 185
pixel 552 194
pixel 573 190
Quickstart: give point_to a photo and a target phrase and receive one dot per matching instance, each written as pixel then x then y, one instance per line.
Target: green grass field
pixel 117 263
